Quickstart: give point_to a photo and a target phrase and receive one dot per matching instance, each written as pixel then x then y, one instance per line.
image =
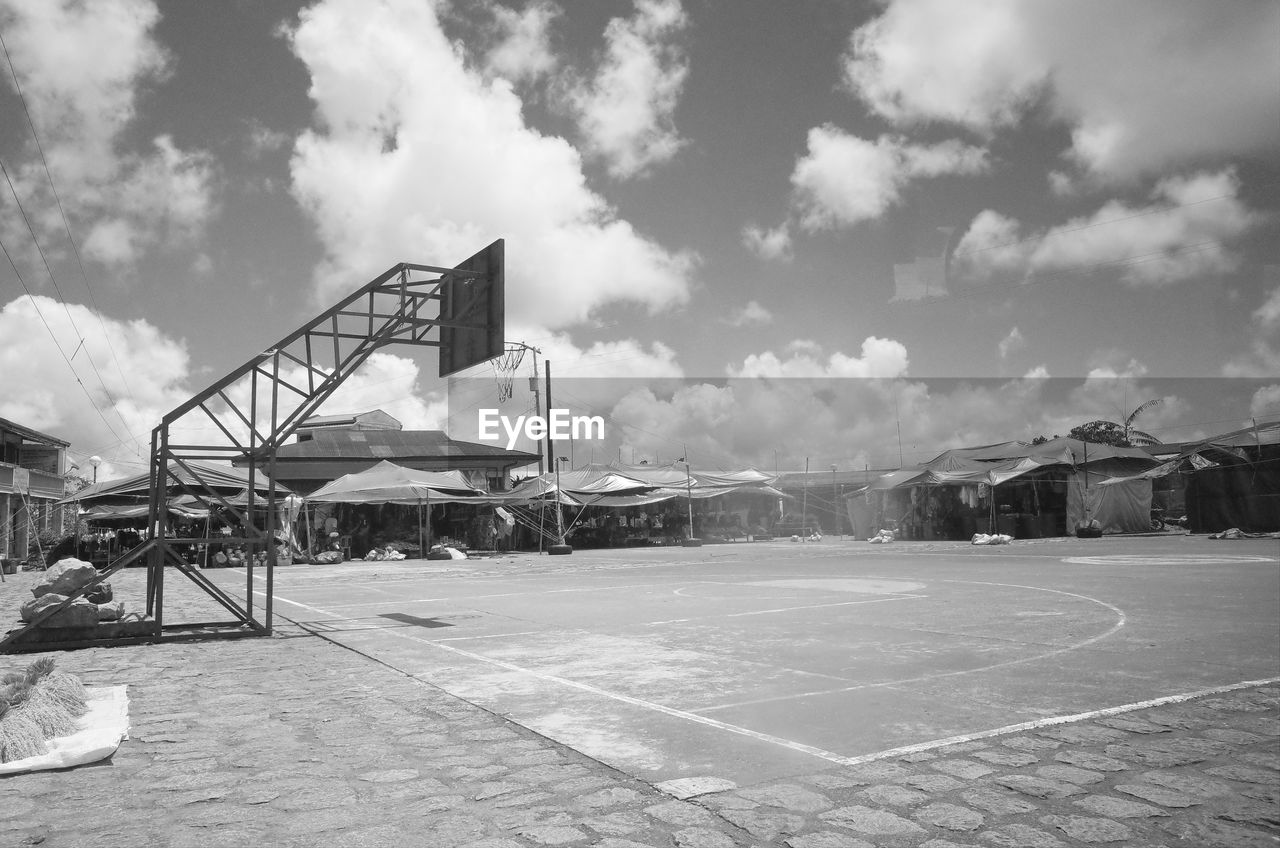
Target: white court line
pixel 780 609
pixel 1050 722
pixel 595 690
pixel 800 747
pixel 939 675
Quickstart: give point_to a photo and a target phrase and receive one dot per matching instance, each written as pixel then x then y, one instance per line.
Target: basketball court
pixel 752 661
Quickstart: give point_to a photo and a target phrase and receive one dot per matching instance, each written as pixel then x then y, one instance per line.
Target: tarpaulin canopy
pixel 960 459
pixel 724 479
pixel 131 490
pixel 1000 463
pixel 652 497
pixel 533 490
pixel 1232 480
pixel 616 485
pixel 668 493
pixel 991 473
pixel 895 479
pixel 387 482
pixel 1190 462
pixel 672 474
pixel 117 512
pixel 597 479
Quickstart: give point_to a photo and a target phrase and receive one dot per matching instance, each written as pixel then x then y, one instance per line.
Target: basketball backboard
pixel 472 312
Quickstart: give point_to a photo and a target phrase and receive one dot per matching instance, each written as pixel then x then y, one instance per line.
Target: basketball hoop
pixel 504 371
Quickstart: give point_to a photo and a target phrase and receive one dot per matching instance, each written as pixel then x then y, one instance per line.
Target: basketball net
pixel 504 371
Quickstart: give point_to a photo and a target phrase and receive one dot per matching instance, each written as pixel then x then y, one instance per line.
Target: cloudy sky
pixel 808 228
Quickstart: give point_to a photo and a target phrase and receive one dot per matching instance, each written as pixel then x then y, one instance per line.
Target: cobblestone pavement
pixel 293 740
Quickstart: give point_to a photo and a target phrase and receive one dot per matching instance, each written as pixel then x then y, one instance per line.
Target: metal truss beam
pixel 245 415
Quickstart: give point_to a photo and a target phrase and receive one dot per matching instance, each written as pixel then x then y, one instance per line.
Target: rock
pixel 99 594
pixel 110 612
pixel 81 613
pixel 39 604
pixel 65 577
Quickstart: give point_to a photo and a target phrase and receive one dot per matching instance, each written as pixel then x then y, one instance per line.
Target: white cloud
pixel 1186 232
pixel 1265 403
pixel 1261 336
pixel 772 243
pixel 390 383
pixel 626 112
pixel 750 315
pixel 817 414
pixel 1268 314
pixel 805 346
pixel 1062 184
pixel 1111 365
pixel 1143 85
pixel 262 139
pixel 522 49
pixel 1012 342
pixel 143 374
pixel 586 379
pixel 879 358
pixel 620 359
pixel 165 199
pixel 384 179
pixel 81 68
pixel 131 380
pixel 843 180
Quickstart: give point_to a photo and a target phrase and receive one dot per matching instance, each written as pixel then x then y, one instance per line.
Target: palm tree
pixel 1140 438
pixel 1120 435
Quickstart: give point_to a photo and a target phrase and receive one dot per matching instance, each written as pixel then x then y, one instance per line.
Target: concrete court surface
pixel 753 661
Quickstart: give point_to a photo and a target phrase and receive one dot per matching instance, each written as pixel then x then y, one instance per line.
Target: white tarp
pixel 101 730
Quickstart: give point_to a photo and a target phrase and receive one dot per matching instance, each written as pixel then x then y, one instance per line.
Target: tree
pixel 1118 435
pixel 1100 433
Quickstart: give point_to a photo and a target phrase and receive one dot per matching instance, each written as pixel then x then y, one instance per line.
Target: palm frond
pixel 1139 439
pixel 1133 416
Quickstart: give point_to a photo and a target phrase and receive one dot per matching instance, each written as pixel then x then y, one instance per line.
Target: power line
pixel 57 345
pixel 71 320
pixel 66 223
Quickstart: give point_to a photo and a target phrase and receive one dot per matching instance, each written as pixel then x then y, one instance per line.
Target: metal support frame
pixel 400 306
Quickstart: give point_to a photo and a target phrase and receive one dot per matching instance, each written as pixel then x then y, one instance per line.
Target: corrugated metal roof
pixel 393 444
pixel 32 435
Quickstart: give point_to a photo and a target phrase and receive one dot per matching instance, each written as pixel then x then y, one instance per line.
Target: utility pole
pixel 560 548
pixel 537 409
pixel 835 503
pixel 804 509
pixel 689 540
pixel 546 364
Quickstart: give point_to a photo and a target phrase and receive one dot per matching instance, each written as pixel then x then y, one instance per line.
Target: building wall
pixel 30 482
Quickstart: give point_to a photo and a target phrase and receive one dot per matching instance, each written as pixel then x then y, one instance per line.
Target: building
pixel 330 446
pixel 32 465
